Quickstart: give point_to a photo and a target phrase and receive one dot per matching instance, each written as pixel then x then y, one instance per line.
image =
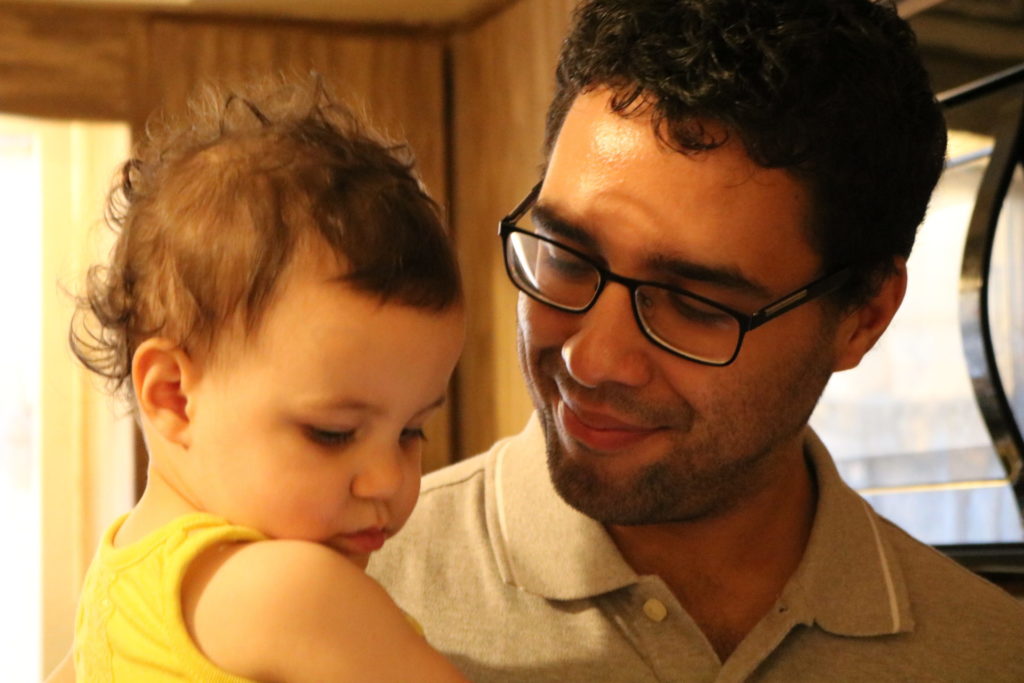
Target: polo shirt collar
pixel 543 545
pixel 849 581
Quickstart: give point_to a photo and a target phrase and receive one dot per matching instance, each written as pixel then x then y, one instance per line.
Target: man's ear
pixel 162 376
pixel 861 328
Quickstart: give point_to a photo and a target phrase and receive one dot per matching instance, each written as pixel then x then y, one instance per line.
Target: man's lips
pixel 600 431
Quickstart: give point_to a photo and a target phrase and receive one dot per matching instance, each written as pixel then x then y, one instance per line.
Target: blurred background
pixel 467 83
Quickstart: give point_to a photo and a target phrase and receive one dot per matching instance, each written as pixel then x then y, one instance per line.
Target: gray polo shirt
pixel 514 585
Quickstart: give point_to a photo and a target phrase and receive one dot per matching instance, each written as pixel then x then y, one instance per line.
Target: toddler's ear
pixel 161 375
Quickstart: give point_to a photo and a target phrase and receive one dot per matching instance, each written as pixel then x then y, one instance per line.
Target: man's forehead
pixel 612 177
pixel 660 262
pixel 613 134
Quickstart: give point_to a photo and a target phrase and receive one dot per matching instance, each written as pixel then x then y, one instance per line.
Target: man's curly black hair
pixel 831 90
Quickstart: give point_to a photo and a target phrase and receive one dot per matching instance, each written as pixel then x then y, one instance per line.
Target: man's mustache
pixel 626 402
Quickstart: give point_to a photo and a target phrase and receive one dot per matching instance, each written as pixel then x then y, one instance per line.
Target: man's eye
pixel 328 437
pixel 697 312
pixel 565 264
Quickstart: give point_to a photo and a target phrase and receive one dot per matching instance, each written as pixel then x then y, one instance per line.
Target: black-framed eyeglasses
pixel 677 320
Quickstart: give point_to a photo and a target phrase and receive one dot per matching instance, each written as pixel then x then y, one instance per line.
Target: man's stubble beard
pixel 705 470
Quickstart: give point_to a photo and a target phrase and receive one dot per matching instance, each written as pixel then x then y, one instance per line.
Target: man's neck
pixel 728 570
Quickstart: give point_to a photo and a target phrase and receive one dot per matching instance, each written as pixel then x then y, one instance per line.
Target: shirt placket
pixel 648 615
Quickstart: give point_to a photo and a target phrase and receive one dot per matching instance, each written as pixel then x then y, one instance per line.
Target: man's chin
pixel 581 487
pixel 604 487
pixel 631 488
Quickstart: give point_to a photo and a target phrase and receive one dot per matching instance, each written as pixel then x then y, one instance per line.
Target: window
pixel 20 272
pixel 66 465
pixel 904 427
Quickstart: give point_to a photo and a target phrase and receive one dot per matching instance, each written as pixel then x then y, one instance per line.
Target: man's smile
pixel 599 431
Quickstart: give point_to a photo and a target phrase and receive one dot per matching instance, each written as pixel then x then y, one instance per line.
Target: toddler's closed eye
pixel 413 434
pixel 329 437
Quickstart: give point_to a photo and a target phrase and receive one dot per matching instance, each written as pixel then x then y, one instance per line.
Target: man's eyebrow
pixel 726 277
pixel 546 219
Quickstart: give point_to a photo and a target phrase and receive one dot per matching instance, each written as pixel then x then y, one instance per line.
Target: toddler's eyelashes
pixel 416 433
pixel 328 437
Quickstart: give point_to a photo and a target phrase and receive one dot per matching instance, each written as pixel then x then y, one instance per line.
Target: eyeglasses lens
pixel 681 323
pixel 551 273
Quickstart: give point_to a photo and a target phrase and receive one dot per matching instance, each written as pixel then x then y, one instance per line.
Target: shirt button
pixel 655 610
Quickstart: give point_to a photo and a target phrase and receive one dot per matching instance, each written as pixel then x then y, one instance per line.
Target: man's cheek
pixel 541 326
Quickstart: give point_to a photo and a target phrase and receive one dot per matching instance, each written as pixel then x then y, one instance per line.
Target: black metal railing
pixel 975 326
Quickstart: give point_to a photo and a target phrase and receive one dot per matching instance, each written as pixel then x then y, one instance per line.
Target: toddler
pixel 283 309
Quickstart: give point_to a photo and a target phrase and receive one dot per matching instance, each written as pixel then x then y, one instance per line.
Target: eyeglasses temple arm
pixel 521 208
pixel 816 289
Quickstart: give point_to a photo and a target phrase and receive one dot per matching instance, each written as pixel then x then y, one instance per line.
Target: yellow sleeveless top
pixel 129 625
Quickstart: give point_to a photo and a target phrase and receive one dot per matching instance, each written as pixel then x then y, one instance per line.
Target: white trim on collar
pixel 848 582
pixel 546 547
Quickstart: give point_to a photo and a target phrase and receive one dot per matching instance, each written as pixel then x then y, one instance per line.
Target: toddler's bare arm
pixel 298 611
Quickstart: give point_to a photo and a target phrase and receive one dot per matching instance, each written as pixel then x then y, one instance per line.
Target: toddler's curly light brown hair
pixel 210 210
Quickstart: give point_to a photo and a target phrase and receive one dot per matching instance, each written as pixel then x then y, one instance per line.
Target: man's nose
pixel 607 345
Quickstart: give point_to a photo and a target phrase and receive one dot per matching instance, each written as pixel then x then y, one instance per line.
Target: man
pixel 731 191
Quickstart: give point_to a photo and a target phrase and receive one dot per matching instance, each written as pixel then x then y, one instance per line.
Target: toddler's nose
pixel 381 476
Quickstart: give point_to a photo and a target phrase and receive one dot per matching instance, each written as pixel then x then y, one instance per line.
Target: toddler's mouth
pixel 362 542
